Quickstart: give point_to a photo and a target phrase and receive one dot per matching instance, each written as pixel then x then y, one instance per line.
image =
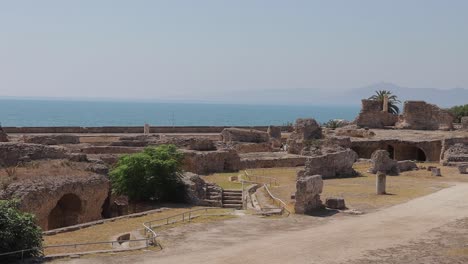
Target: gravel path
pixel 340 239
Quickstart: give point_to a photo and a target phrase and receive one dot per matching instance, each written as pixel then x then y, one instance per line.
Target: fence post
pixel 189 215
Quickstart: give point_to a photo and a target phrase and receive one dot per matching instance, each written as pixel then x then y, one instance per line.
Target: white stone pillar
pixel 146 129
pixel 381 183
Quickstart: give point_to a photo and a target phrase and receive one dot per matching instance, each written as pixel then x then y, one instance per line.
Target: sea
pixel 27 112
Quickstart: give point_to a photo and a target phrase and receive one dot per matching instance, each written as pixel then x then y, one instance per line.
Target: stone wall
pixel 308 190
pixel 399 149
pixel 206 162
pixel 420 115
pixel 454 150
pixel 127 129
pixel 244 135
pixel 3 135
pixel 61 201
pixel 372 116
pixel 52 139
pixel 271 160
pixel 332 165
pixel 11 154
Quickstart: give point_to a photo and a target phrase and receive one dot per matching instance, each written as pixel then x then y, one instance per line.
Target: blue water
pixel 15 112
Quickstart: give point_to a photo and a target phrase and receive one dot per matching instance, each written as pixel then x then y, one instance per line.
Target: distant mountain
pixel 443 98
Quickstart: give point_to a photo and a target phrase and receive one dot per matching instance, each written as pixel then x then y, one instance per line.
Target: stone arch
pixel 409 152
pixel 66 212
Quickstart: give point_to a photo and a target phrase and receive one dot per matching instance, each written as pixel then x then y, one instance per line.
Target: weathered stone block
pixel 335 203
pixel 423 116
pixel 308 190
pixel 244 135
pixel 407 165
pixel 381 162
pixel 436 172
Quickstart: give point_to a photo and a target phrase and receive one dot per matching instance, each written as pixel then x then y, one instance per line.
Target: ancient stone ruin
pixel 12 154
pixel 52 139
pixel 420 115
pixel 308 190
pixel 244 135
pixel 381 162
pixel 305 130
pixel 61 201
pixel 464 122
pixel 332 165
pixel 454 151
pixel 206 162
pixel 372 115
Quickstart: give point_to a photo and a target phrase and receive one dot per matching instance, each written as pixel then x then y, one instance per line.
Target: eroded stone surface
pixel 308 190
pixel 206 162
pixel 305 130
pixel 381 162
pixel 332 165
pixel 11 154
pixel 244 135
pixel 52 139
pixel 373 116
pixel 420 115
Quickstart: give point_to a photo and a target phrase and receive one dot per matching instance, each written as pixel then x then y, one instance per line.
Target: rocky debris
pixel 420 115
pixel 52 139
pixel 463 168
pixel 373 116
pixel 464 122
pixel 407 165
pixel 3 135
pixel 195 188
pixel 244 135
pixel 308 190
pixel 335 203
pixel 381 162
pixel 98 168
pixel 41 196
pixel 78 157
pixel 12 154
pixel 354 132
pixel 305 130
pixel 436 172
pixel 332 165
pixel 274 132
pixel 201 144
pixel 206 162
pixel 456 153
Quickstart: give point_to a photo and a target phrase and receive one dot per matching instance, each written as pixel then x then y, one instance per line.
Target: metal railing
pixel 277 200
pixel 265 179
pixel 151 238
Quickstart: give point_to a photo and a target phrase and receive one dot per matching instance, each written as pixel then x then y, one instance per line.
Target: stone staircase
pixel 232 199
pixel 214 196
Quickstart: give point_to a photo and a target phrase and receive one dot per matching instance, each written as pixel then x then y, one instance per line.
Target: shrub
pixel 459 111
pixel 18 231
pixel 151 175
pixel 335 123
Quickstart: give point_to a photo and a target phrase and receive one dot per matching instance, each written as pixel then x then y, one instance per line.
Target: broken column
pixel 385 104
pixel 381 183
pixel 308 190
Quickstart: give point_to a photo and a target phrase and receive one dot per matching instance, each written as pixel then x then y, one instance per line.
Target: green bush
pixel 18 230
pixel 459 111
pixel 151 175
pixel 335 123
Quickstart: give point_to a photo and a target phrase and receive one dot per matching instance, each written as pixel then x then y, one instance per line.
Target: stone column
pixel 146 129
pixel 381 183
pixel 385 104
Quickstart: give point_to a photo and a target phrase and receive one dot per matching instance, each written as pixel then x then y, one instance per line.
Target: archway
pixel 421 156
pixel 66 212
pixel 409 152
pixel 391 151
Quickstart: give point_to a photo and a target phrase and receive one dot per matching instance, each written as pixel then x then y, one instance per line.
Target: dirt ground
pixel 432 227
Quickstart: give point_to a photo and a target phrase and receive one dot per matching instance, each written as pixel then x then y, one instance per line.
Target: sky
pixel 202 50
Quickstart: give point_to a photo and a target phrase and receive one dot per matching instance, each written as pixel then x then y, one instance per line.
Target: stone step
pixel 232 193
pixel 232 197
pixel 214 197
pixel 235 206
pixel 232 201
pixel 208 202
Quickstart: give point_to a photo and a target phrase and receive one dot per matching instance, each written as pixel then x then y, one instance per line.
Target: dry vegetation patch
pixel 359 192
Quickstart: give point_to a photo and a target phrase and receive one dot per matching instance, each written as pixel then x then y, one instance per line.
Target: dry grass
pixel 108 231
pixel 42 168
pixel 359 192
pixel 222 179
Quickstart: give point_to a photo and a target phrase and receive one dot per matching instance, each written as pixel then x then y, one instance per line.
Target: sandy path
pixel 339 240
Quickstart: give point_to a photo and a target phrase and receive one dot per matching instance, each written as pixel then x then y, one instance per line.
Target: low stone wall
pixel 206 162
pixel 127 129
pixel 423 116
pixel 248 162
pixel 332 165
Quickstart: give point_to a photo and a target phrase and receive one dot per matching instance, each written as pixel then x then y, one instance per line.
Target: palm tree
pixel 392 100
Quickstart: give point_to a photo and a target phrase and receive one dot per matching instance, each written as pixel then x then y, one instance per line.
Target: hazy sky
pixel 198 49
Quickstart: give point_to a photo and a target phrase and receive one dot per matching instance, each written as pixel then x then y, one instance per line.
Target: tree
pixel 153 175
pixel 459 111
pixel 18 231
pixel 392 100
